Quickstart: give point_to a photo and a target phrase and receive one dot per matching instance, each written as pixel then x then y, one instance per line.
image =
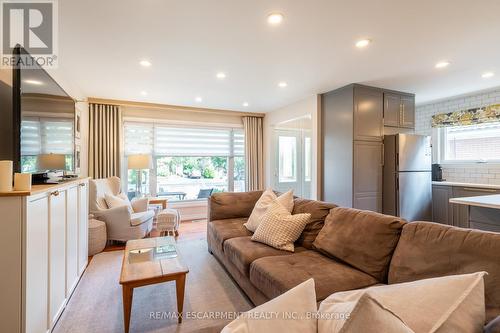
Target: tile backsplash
pixel 480 174
pixel 472 174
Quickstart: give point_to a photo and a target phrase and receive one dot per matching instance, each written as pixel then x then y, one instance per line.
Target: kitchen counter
pixel 37 189
pixel 445 183
pixel 486 201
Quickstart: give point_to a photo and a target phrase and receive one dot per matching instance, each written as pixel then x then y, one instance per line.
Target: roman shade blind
pixel 45 136
pixel 473 116
pixel 164 140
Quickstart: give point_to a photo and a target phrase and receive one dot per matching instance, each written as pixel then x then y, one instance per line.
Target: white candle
pixel 22 182
pixel 5 176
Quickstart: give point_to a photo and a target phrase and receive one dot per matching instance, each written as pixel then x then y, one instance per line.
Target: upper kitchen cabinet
pixel 399 110
pixel 368 114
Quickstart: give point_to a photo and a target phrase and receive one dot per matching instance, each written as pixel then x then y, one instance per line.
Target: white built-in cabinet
pixel 47 232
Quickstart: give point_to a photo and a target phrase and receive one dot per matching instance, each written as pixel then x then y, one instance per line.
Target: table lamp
pixel 139 162
pixel 51 162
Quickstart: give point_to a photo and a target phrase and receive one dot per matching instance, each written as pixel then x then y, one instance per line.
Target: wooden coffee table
pixel 151 261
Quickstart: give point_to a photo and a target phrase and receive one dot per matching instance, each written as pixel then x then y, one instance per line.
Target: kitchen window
pixel 471 143
pixel 188 162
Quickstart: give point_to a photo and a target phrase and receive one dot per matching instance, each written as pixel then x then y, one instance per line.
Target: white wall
pixel 477 173
pixel 307 106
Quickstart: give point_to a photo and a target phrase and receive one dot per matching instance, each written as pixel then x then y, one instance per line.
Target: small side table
pixel 159 201
pixel 97 236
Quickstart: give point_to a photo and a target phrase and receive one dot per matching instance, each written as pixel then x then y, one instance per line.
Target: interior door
pixel 287 165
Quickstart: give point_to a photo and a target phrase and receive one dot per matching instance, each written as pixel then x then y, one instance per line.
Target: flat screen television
pixel 37 120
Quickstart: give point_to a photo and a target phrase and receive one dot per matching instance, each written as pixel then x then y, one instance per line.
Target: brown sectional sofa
pixel 355 249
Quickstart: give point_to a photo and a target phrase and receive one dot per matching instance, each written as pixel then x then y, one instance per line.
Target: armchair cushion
pixel 140 205
pixel 116 201
pixel 117 215
pixel 141 217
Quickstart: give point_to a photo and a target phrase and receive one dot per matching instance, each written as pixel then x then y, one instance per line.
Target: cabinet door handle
pixel 55 193
pixel 487 190
pixel 82 184
pixel 403 114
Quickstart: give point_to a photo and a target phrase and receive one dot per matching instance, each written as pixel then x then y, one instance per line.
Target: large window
pixel 45 136
pixel 188 162
pixel 473 143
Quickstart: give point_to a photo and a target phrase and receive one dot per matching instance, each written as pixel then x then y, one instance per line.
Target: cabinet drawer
pixel 485 226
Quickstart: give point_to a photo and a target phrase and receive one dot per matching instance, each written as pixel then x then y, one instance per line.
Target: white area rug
pixel 96 304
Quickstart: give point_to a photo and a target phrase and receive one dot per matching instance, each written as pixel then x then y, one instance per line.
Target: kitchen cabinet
pixel 352 149
pixel 399 110
pixel 72 268
pixel 368 114
pixel 454 214
pixel 45 231
pixel 368 172
pixel 57 254
pixel 461 212
pixel 442 209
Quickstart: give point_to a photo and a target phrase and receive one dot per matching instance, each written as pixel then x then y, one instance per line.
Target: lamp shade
pixel 51 162
pixel 139 161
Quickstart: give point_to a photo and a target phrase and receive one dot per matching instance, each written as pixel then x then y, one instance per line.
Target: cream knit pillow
pixel 264 202
pixel 280 229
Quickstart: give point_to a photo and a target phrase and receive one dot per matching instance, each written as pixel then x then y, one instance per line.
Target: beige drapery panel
pixel 254 173
pixel 104 140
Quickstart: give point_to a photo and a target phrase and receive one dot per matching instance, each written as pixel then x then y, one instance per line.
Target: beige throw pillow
pixel 446 304
pixel 275 315
pixel 264 202
pixel 279 228
pixel 118 200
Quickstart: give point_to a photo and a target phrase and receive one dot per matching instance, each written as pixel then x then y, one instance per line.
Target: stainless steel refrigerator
pixel 407 189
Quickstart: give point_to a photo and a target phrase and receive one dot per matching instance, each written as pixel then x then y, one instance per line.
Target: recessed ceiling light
pixel 145 63
pixel 275 18
pixel 487 75
pixel 221 75
pixel 144 93
pixel 35 82
pixel 282 84
pixel 442 64
pixel 245 104
pixel 198 99
pixel 363 43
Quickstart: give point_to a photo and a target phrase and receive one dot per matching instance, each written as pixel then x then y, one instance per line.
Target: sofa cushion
pixel 452 303
pixel 266 201
pixel 428 250
pixel 279 228
pixel 230 205
pixel 140 218
pixel 318 210
pixel 275 315
pixel 275 275
pixel 242 251
pixel 222 230
pixel 363 239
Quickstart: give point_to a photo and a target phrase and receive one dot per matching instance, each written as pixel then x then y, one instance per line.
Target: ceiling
pixel 189 41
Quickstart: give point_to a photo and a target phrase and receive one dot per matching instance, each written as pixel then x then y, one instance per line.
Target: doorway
pixel 293 156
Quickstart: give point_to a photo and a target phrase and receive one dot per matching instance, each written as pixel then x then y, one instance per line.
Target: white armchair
pixel 121 224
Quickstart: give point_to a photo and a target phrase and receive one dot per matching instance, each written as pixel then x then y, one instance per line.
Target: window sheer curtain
pixel 104 140
pixel 254 153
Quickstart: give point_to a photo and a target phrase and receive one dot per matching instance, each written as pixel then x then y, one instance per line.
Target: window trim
pixel 440 141
pixel 153 171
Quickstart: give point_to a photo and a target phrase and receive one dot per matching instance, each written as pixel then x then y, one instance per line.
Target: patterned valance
pixel 474 116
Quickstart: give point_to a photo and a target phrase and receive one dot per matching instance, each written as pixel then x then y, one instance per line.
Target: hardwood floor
pixel 188 230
